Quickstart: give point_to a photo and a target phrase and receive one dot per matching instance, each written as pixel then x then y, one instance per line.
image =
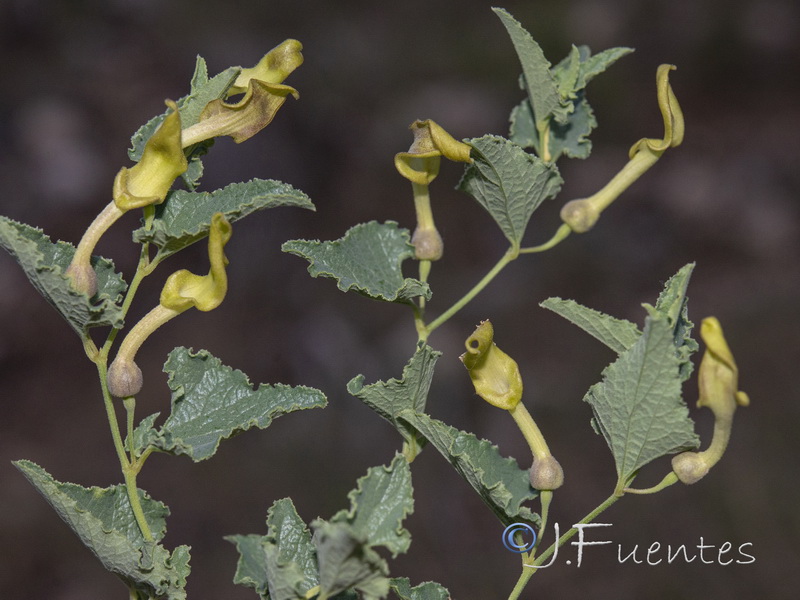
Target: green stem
pixel 424 272
pixel 142 270
pixel 559 236
pixel 511 254
pixel 136 505
pixel 545 497
pixel 529 569
pixel 129 471
pixel 668 480
pixel 130 408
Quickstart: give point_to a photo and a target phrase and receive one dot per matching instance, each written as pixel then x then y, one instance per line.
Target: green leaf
pixel 424 591
pixel 579 67
pixel 638 406
pixel 539 81
pixel 523 129
pixel 367 259
pixel 281 565
pixel 570 135
pixel 390 398
pixel 185 217
pixel 499 481
pixel 673 304
pixel 212 402
pixel 45 263
pixel 509 183
pixel 103 519
pixel 347 562
pixel 381 501
pixel 572 138
pixel 203 91
pixel 617 334
pixel 251 569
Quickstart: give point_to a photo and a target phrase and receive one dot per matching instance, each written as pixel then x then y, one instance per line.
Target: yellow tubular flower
pixel 718 380
pixel 181 291
pixel 497 380
pixel 243 119
pixel 274 67
pixel 581 215
pixel 420 165
pixel 146 183
pixel 494 373
pixel 163 161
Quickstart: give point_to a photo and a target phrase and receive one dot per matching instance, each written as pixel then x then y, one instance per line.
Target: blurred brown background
pixel 78 78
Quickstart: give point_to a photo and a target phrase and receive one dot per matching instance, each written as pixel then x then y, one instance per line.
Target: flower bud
pixel 124 378
pixel 546 473
pixel 428 244
pixel 580 215
pixel 690 467
pixel 84 278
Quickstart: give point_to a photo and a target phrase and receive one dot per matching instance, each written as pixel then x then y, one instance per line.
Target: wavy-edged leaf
pixel 367 259
pixel 617 334
pixel 673 303
pixel 410 392
pixel 45 263
pixel 570 136
pixel 579 67
pixel 508 182
pixel 185 217
pixel 541 86
pixel 347 562
pixel 379 504
pixel 620 335
pixel 103 520
pixel 281 565
pixel 638 406
pixel 212 402
pixel 499 481
pixel 428 590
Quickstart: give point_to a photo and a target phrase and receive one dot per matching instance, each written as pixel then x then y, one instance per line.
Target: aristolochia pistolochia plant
pixel 637 406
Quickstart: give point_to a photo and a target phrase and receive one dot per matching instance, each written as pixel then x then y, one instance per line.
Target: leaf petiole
pixel 511 254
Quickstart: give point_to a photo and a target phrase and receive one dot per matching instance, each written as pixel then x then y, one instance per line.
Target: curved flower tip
pixel 243 119
pixel 274 67
pixel 421 163
pixel 149 181
pixel 718 376
pixel 183 289
pixel 494 373
pixel 671 112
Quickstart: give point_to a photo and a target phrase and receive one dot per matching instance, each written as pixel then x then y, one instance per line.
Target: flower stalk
pixel 181 291
pixel 581 215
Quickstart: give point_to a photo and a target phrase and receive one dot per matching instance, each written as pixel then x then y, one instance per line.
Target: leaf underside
pixel 212 402
pixel 45 263
pixel 367 260
pixel 340 557
pixel 103 520
pixel 509 183
pixel 185 217
pixel 502 485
